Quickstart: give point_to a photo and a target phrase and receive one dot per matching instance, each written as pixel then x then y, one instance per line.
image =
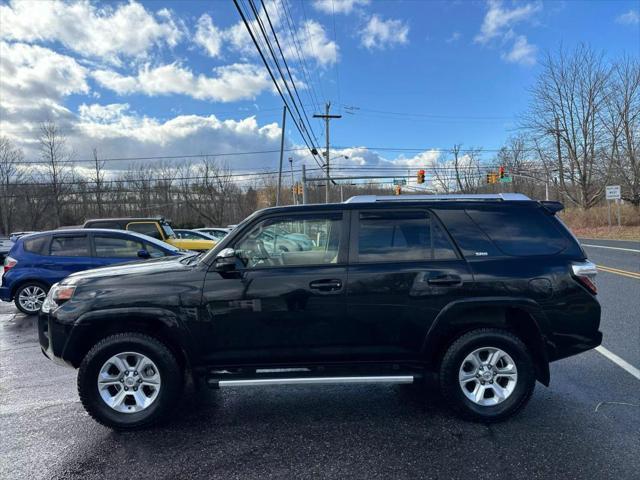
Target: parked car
pixel 13 236
pixel 5 246
pixel 480 291
pixel 216 232
pixel 156 227
pixel 39 260
pixel 186 234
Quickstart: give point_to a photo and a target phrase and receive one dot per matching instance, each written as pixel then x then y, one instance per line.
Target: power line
pixel 284 61
pixel 301 129
pixel 335 40
pixel 160 157
pixel 312 45
pixel 301 59
pixel 428 115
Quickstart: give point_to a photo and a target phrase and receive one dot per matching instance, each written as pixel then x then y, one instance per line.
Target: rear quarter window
pixel 38 245
pixel 520 231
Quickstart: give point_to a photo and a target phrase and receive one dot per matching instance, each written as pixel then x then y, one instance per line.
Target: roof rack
pixel 491 197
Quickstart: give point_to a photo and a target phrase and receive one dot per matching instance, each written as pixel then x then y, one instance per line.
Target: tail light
pixel 9 263
pixel 585 273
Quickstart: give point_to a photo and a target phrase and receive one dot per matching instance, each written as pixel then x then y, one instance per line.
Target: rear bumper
pixel 568 345
pixel 5 294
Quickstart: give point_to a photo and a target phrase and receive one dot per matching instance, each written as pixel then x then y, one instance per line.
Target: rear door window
pixel 401 236
pixel 70 246
pixel 37 245
pixel 520 231
pixel 116 247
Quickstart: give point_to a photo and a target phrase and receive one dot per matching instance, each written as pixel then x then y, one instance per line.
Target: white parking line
pixel 611 248
pixel 619 361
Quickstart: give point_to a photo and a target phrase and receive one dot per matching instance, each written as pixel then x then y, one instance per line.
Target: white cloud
pixel 208 36
pixel 381 34
pixel 30 72
pixel 521 52
pixel 315 44
pixel 109 33
pixel 118 132
pixel 499 20
pixel 338 6
pixel 455 36
pixel 632 17
pixel 498 25
pixel 239 81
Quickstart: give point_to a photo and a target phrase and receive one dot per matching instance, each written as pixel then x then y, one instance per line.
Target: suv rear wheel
pixel 487 375
pixel 129 381
pixel 29 297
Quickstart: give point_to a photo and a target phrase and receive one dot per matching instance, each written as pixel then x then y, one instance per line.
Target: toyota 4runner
pixel 480 292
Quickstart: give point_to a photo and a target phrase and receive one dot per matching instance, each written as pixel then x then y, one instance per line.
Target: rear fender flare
pixel 467 314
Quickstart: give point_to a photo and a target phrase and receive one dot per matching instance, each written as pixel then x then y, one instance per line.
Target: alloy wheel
pixel 129 382
pixel 31 298
pixel 488 376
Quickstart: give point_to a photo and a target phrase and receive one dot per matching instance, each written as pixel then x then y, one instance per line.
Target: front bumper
pixel 53 337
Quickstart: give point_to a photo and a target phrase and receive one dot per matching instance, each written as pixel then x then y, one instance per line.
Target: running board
pixel 310 380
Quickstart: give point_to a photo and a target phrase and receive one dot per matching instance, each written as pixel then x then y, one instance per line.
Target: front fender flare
pixel 116 319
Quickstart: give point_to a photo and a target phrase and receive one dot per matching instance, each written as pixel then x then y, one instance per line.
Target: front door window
pixel 292 241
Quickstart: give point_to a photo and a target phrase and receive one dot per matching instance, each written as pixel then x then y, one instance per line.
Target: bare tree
pixel 207 189
pixel 98 179
pixel 55 155
pixel 527 174
pixel 566 115
pixel 10 175
pixel 623 123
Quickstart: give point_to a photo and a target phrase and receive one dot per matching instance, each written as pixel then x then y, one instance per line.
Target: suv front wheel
pixel 487 375
pixel 129 381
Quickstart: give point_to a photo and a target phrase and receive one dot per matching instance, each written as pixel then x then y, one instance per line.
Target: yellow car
pixel 156 227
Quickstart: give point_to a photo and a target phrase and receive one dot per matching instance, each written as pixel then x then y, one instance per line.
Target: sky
pixel 137 79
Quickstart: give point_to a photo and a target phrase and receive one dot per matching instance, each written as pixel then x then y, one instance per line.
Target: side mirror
pixel 225 261
pixel 143 254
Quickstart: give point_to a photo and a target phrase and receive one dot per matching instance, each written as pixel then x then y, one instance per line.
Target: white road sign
pixel 613 192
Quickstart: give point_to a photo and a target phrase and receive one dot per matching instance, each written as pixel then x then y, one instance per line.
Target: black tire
pixel 171 375
pixel 20 289
pixel 453 360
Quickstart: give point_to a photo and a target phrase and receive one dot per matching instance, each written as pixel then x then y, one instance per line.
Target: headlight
pixel 58 294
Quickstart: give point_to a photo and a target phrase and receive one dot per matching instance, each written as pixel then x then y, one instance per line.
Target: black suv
pixel 480 292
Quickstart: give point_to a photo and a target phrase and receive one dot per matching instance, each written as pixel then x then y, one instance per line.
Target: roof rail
pixel 493 197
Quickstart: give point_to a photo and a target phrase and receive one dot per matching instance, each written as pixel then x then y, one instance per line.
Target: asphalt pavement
pixel 585 425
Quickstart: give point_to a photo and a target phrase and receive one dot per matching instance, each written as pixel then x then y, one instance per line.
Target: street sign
pixel 613 192
pixel 399 181
pixel 506 180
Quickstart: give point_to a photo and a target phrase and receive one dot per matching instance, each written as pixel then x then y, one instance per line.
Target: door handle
pixel 326 285
pixel 444 280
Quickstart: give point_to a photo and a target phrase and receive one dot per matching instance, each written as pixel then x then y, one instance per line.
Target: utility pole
pixel 327 118
pixel 279 187
pixel 293 185
pixel 304 184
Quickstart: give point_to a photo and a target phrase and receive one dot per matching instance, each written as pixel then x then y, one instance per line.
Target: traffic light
pixel 492 178
pixel 501 171
pixel 420 176
pixel 398 190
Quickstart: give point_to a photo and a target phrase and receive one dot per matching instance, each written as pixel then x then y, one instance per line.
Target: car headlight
pixel 58 294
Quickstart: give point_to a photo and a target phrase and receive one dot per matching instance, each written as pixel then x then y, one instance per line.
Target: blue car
pixel 39 260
